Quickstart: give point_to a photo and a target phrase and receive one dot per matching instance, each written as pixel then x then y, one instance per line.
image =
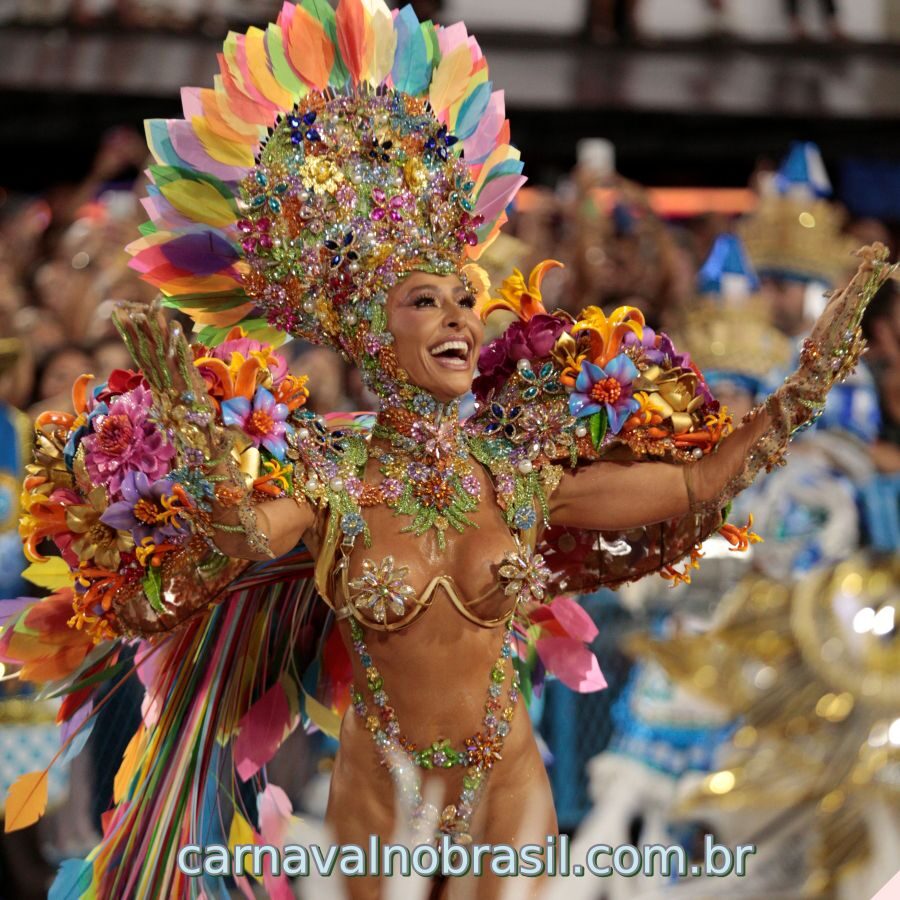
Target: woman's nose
pixel 452 317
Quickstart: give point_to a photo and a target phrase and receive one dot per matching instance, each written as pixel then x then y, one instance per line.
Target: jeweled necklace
pixel 429 474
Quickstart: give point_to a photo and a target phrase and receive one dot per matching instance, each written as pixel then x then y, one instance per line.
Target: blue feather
pixel 159 141
pixel 472 109
pixel 412 68
pixel 72 881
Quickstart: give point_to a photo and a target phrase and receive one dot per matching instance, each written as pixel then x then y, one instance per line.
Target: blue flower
pixel 524 517
pixel 423 404
pixel 352 524
pixel 609 389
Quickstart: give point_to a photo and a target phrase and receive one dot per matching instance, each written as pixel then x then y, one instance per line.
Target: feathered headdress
pixel 337 152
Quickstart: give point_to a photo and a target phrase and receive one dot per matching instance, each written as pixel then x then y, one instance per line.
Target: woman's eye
pixel 468 302
pixel 424 300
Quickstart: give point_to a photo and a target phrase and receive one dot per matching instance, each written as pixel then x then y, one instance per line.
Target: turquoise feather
pixel 471 110
pixel 412 68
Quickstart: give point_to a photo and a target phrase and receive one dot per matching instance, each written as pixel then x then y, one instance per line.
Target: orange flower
pixel 607 333
pixel 516 296
pixel 292 391
pixel 740 537
pixel 670 573
pixel 43 517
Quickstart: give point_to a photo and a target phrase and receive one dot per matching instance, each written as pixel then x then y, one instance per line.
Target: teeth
pixel 450 345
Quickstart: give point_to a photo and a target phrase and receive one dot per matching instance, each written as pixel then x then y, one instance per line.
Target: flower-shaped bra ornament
pixel 382 588
pixel 339 151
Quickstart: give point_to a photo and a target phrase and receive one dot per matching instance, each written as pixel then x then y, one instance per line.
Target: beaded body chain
pixel 525 577
pixel 429 476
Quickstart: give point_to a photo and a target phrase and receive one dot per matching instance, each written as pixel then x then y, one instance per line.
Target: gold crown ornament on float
pixel 796 231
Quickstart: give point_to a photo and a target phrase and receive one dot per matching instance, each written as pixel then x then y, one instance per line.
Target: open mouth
pixel 452 354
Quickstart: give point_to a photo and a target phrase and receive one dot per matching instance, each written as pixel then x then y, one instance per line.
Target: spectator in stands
pixel 829 11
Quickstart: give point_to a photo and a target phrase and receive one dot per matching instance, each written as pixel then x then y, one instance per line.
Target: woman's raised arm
pixel 609 496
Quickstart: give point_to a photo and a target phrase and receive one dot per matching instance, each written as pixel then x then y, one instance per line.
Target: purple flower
pixel 147 510
pixel 263 421
pixel 677 359
pixel 125 440
pixel 648 344
pixel 609 389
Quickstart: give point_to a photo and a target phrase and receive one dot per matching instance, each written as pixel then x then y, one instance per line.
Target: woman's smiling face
pixel 437 333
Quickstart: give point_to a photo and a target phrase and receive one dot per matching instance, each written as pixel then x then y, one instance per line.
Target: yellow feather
pixel 226 152
pixel 451 78
pixel 382 42
pixel 258 63
pixel 199 201
pixel 319 714
pixel 241 833
pixel 130 759
pixel 26 801
pixel 53 573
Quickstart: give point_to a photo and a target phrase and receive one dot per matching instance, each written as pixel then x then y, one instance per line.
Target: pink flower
pixel 125 440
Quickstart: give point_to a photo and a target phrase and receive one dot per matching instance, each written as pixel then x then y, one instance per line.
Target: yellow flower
pixel 523 299
pixel 415 174
pixel 607 333
pixel 320 174
pixel 96 540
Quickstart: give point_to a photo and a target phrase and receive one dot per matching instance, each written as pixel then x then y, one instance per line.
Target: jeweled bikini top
pixel 381 598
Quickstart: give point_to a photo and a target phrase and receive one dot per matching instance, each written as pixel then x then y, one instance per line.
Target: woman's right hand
pixel 160 350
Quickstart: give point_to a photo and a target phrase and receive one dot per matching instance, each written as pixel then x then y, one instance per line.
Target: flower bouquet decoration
pixel 555 390
pixel 124 488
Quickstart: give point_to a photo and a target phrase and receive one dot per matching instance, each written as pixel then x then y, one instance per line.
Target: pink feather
pixel 483 141
pixel 497 195
pixel 262 730
pixel 572 663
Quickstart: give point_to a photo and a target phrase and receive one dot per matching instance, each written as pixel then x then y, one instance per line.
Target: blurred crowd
pixel 605 21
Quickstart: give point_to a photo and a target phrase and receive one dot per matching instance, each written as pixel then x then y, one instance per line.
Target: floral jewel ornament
pixel 382 588
pixel 371 145
pixel 428 472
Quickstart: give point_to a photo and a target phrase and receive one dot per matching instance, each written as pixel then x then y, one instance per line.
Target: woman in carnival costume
pixel 336 185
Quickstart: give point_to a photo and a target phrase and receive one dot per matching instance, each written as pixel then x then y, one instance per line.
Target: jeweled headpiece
pixel 339 151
